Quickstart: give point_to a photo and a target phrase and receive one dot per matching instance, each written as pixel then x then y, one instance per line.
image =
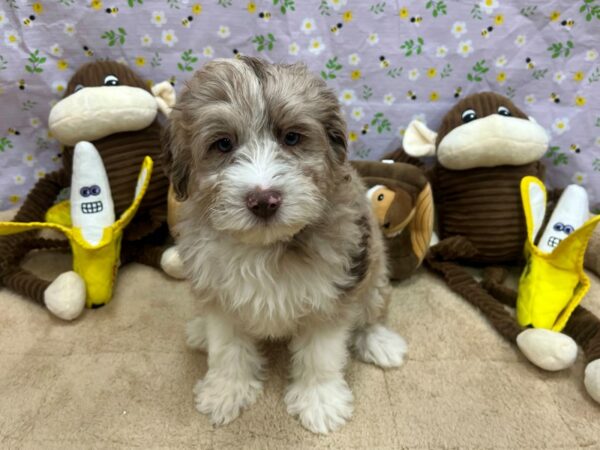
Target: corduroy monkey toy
pixel 484 147
pixel 109 105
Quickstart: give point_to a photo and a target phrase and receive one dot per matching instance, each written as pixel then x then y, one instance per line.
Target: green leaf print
pixel 538 74
pixel 132 3
pixel 285 5
pixel 595 76
pixel 437 8
pixel 5 143
pixel 377 8
pixel 224 3
pixel 528 11
pixel 395 72
pixel 324 8
pixel 112 37
pixel 367 92
pixel 156 60
pixel 596 165
pixel 476 12
pixel 174 4
pixel 590 10
pixel 558 158
pixel 3 63
pixel 446 71
pixel 333 66
pixel 188 59
pixel 36 61
pixel 479 69
pixel 362 152
pixel 66 3
pixel 597 121
pixel 381 123
pixel 28 105
pixel 558 48
pixel 12 4
pixel 263 42
pixel 510 92
pixel 411 47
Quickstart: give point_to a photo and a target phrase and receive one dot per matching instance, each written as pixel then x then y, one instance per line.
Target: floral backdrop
pixel 390 62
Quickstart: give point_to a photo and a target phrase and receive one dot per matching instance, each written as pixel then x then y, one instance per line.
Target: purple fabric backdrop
pixel 389 61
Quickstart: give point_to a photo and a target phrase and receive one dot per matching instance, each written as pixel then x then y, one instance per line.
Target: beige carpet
pixel 122 377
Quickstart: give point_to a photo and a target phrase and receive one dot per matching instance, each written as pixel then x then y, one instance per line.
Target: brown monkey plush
pixel 483 148
pixel 109 105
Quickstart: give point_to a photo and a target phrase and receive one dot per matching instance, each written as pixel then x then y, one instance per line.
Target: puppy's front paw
pixel 380 346
pixel 195 331
pixel 321 408
pixel 223 399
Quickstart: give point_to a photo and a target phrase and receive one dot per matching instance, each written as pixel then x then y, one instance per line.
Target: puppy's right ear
pixel 175 155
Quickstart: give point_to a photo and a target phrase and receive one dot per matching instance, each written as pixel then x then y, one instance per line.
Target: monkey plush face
pixel 104 98
pixel 482 130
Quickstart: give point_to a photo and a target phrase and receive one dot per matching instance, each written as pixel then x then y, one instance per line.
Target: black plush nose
pixel 263 202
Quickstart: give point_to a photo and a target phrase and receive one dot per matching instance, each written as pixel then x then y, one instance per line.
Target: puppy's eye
pixel 469 115
pixel 224 145
pixel 504 111
pixel 291 139
pixel 111 80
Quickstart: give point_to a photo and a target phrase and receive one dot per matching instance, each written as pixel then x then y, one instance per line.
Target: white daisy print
pixel 489 5
pixel 347 97
pixel 168 37
pixel 389 99
pixel 591 55
pixel 337 4
pixel 122 60
pixel 158 18
pixel 465 48
pixel 530 99
pixel 458 29
pixel 3 19
pixel 373 38
pixel 441 51
pixel 293 49
pixel 560 125
pixel 69 29
pixel 501 61
pixel 559 77
pixel 308 26
pixel 146 40
pixel 19 179
pixel 521 40
pixel 56 50
pixel 208 51
pixel 579 178
pixel 353 59
pixel 35 122
pixel 413 74
pixel 59 87
pixel 29 159
pixel 12 38
pixel 357 113
pixel 316 46
pixel 224 31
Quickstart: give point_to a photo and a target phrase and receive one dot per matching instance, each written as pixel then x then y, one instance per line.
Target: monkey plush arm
pixel 42 197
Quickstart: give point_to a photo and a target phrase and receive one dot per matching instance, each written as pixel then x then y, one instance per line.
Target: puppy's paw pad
pixel 321 408
pixel 592 379
pixel 223 400
pixel 547 349
pixel 195 331
pixel 65 297
pixel 380 346
pixel 171 263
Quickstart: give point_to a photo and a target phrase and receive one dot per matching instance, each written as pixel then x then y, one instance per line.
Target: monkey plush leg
pixel 493 277
pixel 584 327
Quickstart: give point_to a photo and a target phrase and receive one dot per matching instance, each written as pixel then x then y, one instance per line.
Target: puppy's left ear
pixel 336 132
pixel 176 155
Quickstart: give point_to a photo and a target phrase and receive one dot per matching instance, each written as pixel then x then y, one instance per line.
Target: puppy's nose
pixel 263 202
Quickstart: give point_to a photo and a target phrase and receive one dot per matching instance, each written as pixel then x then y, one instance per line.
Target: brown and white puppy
pixel 277 237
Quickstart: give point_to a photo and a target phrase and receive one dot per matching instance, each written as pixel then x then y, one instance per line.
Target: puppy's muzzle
pixel 264 203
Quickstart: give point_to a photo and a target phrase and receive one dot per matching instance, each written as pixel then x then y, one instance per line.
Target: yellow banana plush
pixel 93 233
pixel 553 282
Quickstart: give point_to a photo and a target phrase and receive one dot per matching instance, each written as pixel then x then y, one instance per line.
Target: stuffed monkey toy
pixel 483 149
pixel 109 105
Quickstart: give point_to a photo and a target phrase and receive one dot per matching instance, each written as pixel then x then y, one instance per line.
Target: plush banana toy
pixel 553 281
pixel 88 221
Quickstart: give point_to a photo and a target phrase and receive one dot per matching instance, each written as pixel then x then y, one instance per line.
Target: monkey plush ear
pixel 165 96
pixel 419 140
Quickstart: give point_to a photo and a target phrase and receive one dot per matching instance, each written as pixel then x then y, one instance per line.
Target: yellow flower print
pixel 62 64
pixel 355 75
pixel 501 77
pixel 403 13
pixel 499 19
pixel 251 7
pixel 352 136
pixel 434 96
pixel 431 72
pixel 579 100
pixel 554 16
pixel 96 4
pixel 37 7
pixel 578 76
pixel 196 9
pixel 14 198
pixel 347 16
pixel 140 61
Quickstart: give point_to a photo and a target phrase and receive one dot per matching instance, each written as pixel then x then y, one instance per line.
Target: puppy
pixel 277 237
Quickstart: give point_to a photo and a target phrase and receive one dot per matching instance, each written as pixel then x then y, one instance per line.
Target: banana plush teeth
pixel 93 233
pixel 553 282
